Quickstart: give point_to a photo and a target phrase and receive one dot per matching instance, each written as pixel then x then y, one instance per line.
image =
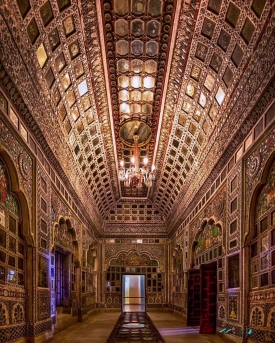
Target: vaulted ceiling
pixel 182 75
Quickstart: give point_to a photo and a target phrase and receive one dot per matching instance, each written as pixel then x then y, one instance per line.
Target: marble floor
pixel 97 328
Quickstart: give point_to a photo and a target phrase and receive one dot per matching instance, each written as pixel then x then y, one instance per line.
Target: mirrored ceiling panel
pixel 137 39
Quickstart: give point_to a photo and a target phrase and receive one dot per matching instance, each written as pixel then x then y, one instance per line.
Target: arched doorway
pixel 134 262
pixel 66 278
pixel 202 278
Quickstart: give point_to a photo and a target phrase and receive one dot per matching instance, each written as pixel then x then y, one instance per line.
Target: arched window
pixel 263 241
pixel 12 244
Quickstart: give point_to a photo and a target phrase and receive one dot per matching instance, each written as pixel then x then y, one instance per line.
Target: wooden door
pixel 194 297
pixel 208 298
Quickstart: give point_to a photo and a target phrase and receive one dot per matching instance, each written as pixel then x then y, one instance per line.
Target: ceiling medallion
pixel 131 128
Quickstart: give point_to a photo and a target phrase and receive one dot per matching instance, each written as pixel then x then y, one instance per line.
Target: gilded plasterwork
pixel 103 66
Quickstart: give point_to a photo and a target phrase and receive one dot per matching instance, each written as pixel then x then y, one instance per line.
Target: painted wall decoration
pixel 133 258
pixel 156 250
pixel 232 307
pixel 216 208
pixel 209 237
pixel 63 237
pixel 267 196
pixel 5 197
pixel 22 161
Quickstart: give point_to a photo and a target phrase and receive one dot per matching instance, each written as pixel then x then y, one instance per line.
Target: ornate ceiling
pixel 182 75
pixel 137 35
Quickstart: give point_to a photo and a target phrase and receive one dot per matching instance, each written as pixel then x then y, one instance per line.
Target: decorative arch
pixel 261 235
pixel 18 314
pixel 65 237
pixel 257 316
pixel 17 229
pixel 133 258
pixel 208 236
pixel 133 261
pixel 258 190
pixel 16 190
pixel 4 314
pixel 206 221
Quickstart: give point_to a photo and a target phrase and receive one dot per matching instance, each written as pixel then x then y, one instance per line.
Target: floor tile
pixel 97 328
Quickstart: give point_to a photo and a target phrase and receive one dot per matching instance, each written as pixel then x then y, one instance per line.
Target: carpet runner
pixel 135 327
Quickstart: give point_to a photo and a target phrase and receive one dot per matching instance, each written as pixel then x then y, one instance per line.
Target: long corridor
pixel 97 328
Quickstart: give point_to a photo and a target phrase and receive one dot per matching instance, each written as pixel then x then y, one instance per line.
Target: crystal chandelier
pixel 136 176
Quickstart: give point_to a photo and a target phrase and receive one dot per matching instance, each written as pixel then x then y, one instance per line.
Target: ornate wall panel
pixel 254 164
pixel 23 162
pixel 43 304
pixel 44 211
pixel 16 273
pixel 261 241
pixel 216 208
pixel 58 208
pixel 135 259
pixel 154 250
pixel 202 241
pixel 141 217
pixel 44 244
pixel 233 306
pixel 234 207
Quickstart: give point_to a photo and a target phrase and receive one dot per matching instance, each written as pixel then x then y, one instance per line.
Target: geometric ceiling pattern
pixel 177 74
pixel 224 37
pixel 137 36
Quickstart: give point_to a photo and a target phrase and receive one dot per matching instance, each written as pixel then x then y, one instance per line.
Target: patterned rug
pixel 135 327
